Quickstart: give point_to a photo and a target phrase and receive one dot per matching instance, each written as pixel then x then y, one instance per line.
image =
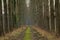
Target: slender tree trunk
pixel 16 13
pixel 11 6
pixel 54 15
pixel 43 11
pixel 49 14
pixel 3 16
pixel 8 15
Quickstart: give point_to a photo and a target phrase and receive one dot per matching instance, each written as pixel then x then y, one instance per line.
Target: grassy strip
pixel 27 34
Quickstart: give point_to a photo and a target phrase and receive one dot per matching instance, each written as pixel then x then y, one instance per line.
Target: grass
pixel 27 34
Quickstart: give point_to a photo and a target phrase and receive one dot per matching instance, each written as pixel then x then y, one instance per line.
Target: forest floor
pixel 50 36
pixel 29 33
pixel 14 34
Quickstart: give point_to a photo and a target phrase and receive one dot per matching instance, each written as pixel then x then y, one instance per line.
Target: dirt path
pixel 29 33
pixel 37 36
pixel 45 33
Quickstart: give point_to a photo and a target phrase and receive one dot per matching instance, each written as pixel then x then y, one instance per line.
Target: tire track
pixel 37 36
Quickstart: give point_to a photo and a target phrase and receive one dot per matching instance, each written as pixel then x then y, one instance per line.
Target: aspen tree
pixel 3 16
pixel 49 14
pixel 54 15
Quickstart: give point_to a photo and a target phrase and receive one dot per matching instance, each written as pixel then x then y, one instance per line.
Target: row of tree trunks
pixel 46 13
pixel 51 15
pixel 1 30
pixel 57 6
pixel 8 16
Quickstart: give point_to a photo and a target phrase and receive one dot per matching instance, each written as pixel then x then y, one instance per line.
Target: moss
pixel 27 34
